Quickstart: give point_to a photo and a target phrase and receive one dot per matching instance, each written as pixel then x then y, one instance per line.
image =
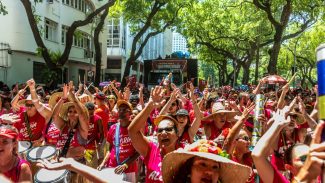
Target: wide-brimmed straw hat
pixel 28 98
pixel 55 97
pixel 218 109
pixel 120 102
pixel 163 117
pixel 230 171
pixel 65 107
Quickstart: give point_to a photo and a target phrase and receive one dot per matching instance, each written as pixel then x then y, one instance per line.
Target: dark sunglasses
pixel 173 104
pixel 167 129
pixel 250 129
pixel 29 105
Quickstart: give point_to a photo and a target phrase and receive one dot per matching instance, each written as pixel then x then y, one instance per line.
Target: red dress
pixel 14 173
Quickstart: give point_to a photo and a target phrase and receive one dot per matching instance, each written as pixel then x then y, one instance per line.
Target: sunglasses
pixel 250 129
pixel 167 130
pixel 29 105
pixel 246 138
pixel 173 104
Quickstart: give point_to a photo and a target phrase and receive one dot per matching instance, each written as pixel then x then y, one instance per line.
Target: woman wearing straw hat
pixel 33 118
pixel 72 120
pixel 200 162
pixel 220 120
pixel 166 134
pixel 11 165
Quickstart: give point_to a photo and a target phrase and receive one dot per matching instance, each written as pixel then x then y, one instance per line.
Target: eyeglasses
pixel 301 158
pixel 29 105
pixel 167 129
pixel 124 109
pixel 246 138
pixel 173 104
pixel 181 116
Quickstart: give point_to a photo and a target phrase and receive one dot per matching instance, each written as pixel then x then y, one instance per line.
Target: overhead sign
pixel 169 65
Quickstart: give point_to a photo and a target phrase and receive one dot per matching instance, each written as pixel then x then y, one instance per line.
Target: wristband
pixel 35 100
pixel 126 165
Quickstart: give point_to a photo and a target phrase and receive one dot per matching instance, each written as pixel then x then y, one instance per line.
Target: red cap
pixel 8 133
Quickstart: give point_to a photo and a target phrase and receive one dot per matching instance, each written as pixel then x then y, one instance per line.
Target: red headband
pixel 8 133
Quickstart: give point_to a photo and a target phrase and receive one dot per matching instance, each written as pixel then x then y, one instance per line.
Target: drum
pixel 52 176
pixel 23 148
pixel 42 152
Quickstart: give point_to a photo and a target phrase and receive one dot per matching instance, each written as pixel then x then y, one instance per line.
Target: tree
pixel 284 16
pixel 3 10
pixel 98 51
pixel 52 64
pixel 148 19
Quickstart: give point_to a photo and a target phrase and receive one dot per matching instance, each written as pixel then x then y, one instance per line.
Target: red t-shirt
pixel 249 162
pixel 64 137
pixel 126 148
pixel 93 132
pixel 277 159
pixel 52 135
pixel 215 132
pixel 184 140
pixel 103 112
pixel 153 162
pixel 37 125
pixel 14 173
pixel 278 177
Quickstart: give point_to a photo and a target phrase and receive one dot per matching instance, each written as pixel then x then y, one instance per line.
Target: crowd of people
pixel 169 134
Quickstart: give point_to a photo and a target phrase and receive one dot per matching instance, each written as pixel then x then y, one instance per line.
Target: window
pixel 51 30
pixel 64 31
pixel 114 33
pixel 81 5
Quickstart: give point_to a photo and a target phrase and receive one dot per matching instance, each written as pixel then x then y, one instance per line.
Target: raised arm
pixel 172 99
pixel 228 145
pixel 258 87
pixel 46 112
pixel 14 101
pixel 281 101
pixel 311 122
pixel 139 141
pixel 83 117
pixel 141 101
pixel 264 146
pixel 197 121
pixel 58 121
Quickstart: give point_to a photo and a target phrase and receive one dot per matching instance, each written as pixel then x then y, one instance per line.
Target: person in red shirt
pixel 33 118
pixel 102 110
pixel 95 137
pixel 73 121
pixel 11 165
pixel 121 151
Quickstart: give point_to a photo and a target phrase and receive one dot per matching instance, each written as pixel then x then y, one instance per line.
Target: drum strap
pixel 48 127
pixel 66 146
pixel 117 143
pixel 29 131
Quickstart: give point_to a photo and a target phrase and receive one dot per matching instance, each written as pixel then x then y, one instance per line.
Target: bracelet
pixel 35 100
pixel 126 165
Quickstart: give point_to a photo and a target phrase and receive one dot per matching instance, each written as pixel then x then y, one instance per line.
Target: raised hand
pixel 71 87
pixel 247 111
pixel 156 96
pixel 281 117
pixel 65 91
pixel 31 84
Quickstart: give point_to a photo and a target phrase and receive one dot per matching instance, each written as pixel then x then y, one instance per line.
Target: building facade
pixel 179 43
pixel 18 50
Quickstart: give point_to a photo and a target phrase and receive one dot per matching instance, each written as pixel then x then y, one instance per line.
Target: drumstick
pixel 291 79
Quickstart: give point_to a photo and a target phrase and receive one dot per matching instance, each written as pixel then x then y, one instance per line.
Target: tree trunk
pixel 274 52
pixel 246 72
pixel 98 55
pixel 257 63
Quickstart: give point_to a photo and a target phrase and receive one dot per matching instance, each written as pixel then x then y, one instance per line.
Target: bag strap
pixel 66 146
pixel 29 131
pixel 117 143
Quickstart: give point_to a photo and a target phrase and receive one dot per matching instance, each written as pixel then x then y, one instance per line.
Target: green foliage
pixel 3 10
pixel 54 55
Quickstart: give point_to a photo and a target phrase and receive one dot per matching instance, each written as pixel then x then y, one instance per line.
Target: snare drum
pixel 23 148
pixel 52 176
pixel 42 152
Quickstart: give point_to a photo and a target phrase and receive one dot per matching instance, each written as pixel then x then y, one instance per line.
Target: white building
pixel 18 59
pixel 179 43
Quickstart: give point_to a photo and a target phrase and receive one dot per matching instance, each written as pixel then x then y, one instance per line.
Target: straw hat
pixel 55 97
pixel 162 117
pixel 218 108
pixel 230 171
pixel 29 98
pixel 65 107
pixel 120 102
